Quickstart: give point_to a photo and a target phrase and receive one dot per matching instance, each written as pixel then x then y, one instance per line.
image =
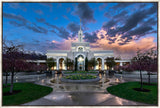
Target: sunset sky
pixel 121 27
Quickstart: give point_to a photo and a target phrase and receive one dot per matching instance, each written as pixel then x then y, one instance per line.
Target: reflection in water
pixel 42 81
pixel 74 87
pixel 100 76
pixel 116 80
pixel 61 86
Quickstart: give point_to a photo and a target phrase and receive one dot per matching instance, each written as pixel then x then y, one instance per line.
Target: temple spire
pixel 80 23
pixel 80 34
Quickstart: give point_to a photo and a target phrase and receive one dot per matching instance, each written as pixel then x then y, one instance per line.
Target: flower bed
pixel 80 73
pixel 80 78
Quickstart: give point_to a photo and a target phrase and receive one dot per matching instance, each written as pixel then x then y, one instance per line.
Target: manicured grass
pixel 126 91
pixel 80 77
pixel 80 72
pixel 29 92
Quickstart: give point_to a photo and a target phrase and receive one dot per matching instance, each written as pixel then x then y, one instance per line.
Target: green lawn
pixel 29 92
pixel 125 90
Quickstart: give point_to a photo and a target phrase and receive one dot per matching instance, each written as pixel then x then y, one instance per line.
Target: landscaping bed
pixel 80 73
pixel 80 78
pixel 23 93
pixel 128 91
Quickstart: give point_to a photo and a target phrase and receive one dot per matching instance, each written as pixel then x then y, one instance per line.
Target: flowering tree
pixel 128 67
pixel 13 60
pixel 150 62
pixel 146 61
pixel 138 63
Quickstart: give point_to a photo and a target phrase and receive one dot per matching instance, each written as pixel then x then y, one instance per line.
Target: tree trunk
pixel 6 79
pixel 141 79
pixel 12 78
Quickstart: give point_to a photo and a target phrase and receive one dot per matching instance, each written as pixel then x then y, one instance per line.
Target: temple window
pixel 80 49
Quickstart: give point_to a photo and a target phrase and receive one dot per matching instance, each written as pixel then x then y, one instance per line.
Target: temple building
pixel 81 50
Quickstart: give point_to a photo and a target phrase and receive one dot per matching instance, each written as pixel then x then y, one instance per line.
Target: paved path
pixel 77 94
pixel 80 94
pixel 81 98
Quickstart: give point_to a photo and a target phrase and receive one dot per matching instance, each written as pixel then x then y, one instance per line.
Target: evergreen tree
pixel 92 63
pixel 69 63
pixel 86 64
pixel 51 63
pixel 76 64
pixel 110 62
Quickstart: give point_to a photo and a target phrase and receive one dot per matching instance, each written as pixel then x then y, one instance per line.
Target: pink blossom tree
pixel 12 60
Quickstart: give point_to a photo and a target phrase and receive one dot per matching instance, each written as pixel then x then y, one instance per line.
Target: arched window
pixel 80 49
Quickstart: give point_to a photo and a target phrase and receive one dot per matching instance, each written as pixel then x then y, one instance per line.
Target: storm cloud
pixel 137 24
pixel 21 21
pixel 85 13
pixel 91 37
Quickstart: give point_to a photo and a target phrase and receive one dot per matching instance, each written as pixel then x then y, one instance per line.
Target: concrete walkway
pixel 66 94
pixel 81 98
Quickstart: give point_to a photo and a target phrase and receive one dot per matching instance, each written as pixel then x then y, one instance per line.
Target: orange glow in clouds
pixel 127 50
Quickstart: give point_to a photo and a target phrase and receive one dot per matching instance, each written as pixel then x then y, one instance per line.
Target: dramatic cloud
pixel 121 16
pixel 140 31
pixel 121 27
pixel 126 51
pixel 85 13
pixel 17 6
pixel 23 22
pixel 137 24
pixel 100 41
pixel 37 29
pixel 91 37
pixel 121 5
pixel 16 17
pixel 60 31
pixel 15 23
pixel 64 45
pixel 63 33
pixel 109 24
pixel 73 27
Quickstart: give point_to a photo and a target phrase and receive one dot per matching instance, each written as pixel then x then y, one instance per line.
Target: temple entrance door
pixel 80 60
pixel 61 64
pixel 99 63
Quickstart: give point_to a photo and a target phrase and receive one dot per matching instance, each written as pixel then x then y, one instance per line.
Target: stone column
pixel 57 64
pixel 38 63
pixel 121 64
pixel 102 64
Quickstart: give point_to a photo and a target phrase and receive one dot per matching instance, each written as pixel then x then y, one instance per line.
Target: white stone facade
pixel 81 50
